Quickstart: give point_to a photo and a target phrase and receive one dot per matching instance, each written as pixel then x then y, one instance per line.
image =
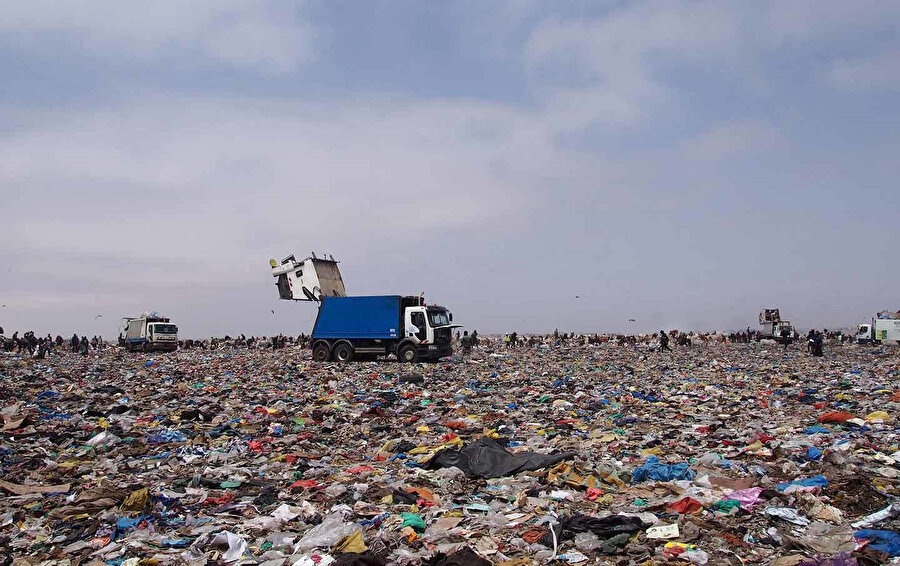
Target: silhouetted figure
pixel 663 342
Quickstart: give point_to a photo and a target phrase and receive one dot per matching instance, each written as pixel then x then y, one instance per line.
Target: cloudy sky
pixel 680 163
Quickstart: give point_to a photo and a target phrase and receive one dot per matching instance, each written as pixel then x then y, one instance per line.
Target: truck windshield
pixel 438 318
pixel 165 329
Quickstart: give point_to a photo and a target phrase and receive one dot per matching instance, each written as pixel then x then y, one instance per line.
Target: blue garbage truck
pixel 366 327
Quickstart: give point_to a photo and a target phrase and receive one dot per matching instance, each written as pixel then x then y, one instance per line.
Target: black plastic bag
pixel 487 458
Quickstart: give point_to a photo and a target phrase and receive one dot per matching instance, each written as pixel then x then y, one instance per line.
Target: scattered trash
pixel 552 451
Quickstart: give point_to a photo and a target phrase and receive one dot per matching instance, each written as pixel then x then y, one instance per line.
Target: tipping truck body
pixel 350 328
pixel 884 326
pixel 149 334
pixel 123 329
pixel 308 280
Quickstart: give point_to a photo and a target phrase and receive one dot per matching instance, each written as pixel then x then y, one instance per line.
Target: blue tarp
pixel 815 481
pixel 882 541
pixel 653 469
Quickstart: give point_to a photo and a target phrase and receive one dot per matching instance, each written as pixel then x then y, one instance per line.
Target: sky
pixel 682 164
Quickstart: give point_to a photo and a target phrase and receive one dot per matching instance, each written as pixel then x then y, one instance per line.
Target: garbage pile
pixel 604 454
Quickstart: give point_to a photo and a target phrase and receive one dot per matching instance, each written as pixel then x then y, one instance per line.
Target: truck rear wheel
pixel 321 352
pixel 343 352
pixel 407 353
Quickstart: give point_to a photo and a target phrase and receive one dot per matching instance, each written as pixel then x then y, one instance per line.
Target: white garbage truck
pixel 773 327
pixel 884 326
pixel 148 332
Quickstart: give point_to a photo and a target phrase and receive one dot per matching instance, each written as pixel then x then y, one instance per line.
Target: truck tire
pixel 148 347
pixel 322 352
pixel 343 352
pixel 406 353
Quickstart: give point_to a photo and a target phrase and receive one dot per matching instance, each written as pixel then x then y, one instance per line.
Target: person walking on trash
pixel 664 342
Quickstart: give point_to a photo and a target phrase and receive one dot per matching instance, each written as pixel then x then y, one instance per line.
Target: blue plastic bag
pixel 815 481
pixel 882 541
pixel 654 470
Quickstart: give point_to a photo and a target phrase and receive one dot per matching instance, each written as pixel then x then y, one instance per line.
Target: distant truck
pixel 773 327
pixel 884 326
pixel 148 333
pixel 363 328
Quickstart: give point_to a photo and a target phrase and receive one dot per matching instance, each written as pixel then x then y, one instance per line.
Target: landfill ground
pixel 570 454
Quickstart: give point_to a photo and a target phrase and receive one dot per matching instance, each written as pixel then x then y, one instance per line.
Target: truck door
pixel 418 320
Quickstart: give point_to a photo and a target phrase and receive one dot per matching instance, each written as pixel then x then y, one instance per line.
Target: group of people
pixel 277 342
pixel 815 341
pixel 41 347
pixel 467 341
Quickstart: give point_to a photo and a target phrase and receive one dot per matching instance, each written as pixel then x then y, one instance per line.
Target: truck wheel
pixel 321 352
pixel 147 347
pixel 343 352
pixel 407 354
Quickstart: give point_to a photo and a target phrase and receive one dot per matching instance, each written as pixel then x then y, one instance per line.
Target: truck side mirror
pixel 451 316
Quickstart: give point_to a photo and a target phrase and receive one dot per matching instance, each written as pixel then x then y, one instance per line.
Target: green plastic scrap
pixel 726 505
pixel 413 520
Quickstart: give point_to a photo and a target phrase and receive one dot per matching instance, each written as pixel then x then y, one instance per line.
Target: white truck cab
pixel 149 333
pixel 863 333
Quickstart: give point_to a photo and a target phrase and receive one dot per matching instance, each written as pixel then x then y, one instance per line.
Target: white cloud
pixel 798 21
pixel 612 58
pixel 215 171
pixel 732 139
pixel 880 71
pixel 247 34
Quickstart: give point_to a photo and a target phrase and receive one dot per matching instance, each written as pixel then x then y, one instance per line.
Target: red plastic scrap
pixel 304 484
pixel 685 506
pixel 594 492
pixel 227 498
pixel 835 417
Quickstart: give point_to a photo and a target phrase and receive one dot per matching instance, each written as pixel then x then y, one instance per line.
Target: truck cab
pixel 163 335
pixel 430 329
pixel 863 333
